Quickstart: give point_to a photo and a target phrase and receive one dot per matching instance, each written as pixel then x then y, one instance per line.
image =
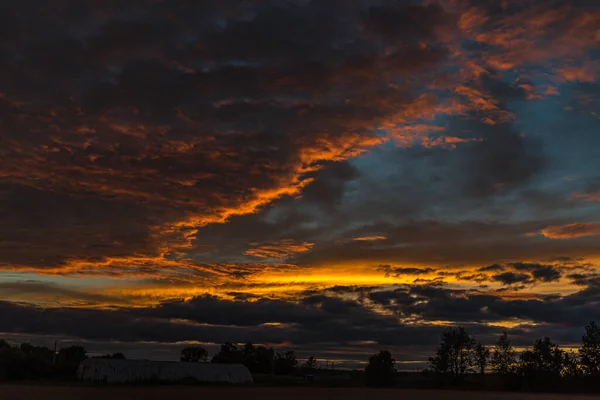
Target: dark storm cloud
pixel 111 324
pixel 196 112
pixel 400 271
pixel 546 274
pixel 351 289
pixel 361 291
pixel 469 276
pixel 40 227
pixel 492 268
pixel 543 273
pixel 434 303
pixel 212 310
pixel 314 318
pixel 510 278
pixel 504 160
pixel 522 273
pixel 460 306
pixel 395 20
pixel 329 184
pixel 585 279
pixel 453 243
pixel 325 325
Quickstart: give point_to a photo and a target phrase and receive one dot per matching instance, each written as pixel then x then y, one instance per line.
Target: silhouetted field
pixel 28 392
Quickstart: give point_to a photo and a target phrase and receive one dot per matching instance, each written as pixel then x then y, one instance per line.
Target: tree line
pixel 459 361
pixel 462 361
pixel 30 362
pixel 258 359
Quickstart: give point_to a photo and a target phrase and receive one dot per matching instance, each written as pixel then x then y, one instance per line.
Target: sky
pixel 333 177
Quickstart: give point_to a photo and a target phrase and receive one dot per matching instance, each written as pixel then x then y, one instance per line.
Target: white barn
pixel 115 370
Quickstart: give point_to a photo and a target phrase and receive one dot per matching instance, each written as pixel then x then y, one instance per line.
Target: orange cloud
pixel 448 142
pixel 485 103
pixel 418 134
pixel 408 136
pixel 369 238
pixel 517 39
pixel 572 231
pixel 530 92
pixel 472 19
pixel 278 250
pixel 587 72
pixel 591 197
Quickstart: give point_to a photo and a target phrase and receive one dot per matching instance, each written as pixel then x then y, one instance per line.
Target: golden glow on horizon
pixel 286 284
pixel 139 289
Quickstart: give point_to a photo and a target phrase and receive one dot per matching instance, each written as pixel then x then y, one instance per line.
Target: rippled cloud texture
pixel 323 175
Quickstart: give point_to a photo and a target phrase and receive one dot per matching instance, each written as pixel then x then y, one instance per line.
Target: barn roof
pixel 115 370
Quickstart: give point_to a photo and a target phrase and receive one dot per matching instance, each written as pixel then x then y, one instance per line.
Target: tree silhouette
pixel 193 354
pixel 542 365
pixel 26 348
pixel 37 360
pixel 284 363
pixel 504 357
pixel 67 361
pixel 456 355
pixel 571 366
pixel 258 358
pixel 309 365
pixel 72 354
pixel 380 370
pixel 590 350
pixel 482 355
pixel 228 354
pixel 249 353
pixel 12 363
pixel 230 349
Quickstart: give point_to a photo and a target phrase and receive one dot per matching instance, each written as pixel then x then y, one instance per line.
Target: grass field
pixel 32 392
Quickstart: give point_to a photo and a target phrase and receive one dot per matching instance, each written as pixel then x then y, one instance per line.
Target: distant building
pixel 116 370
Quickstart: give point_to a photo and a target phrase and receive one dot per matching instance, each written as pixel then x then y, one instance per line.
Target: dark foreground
pixel 24 392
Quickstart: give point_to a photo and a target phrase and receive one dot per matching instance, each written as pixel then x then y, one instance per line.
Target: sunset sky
pixel 329 176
